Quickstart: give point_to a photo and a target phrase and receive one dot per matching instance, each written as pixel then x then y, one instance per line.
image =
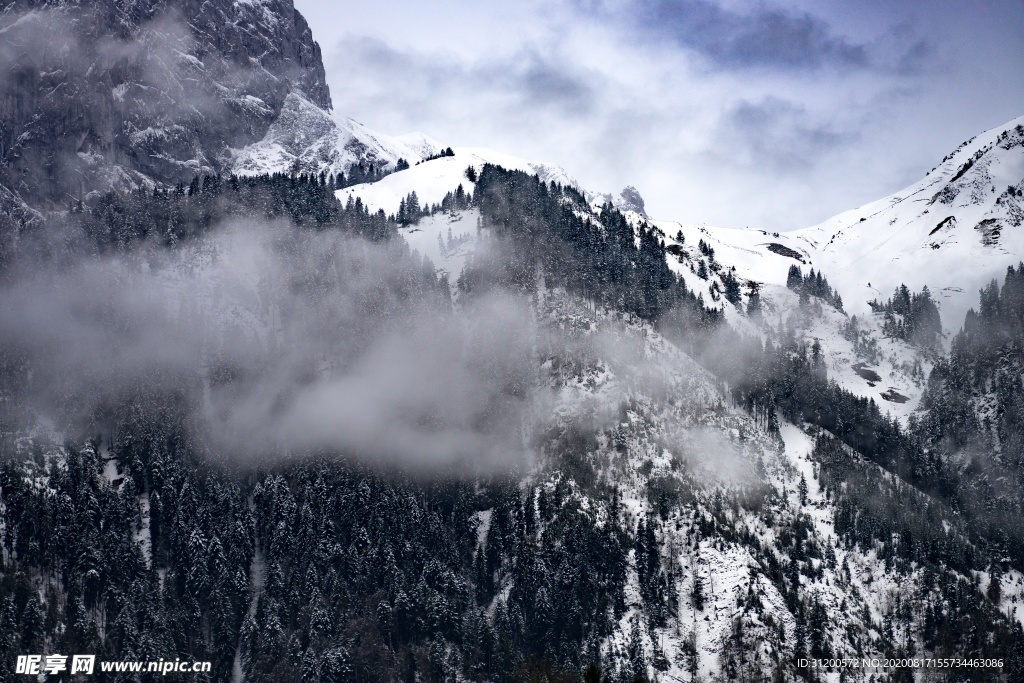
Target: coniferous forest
pixel 324 567
pixel 288 399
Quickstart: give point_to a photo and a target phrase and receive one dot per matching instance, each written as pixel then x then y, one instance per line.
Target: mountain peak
pixel 630 200
pixel 954 230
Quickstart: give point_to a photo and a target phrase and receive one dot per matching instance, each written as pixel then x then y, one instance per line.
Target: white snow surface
pixel 953 234
pixel 430 237
pixel 432 180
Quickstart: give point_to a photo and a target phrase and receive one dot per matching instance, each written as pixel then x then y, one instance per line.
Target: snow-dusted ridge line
pixel 308 139
pixel 924 235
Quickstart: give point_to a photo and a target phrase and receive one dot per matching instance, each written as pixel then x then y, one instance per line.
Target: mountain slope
pixel 658 529
pixel 955 231
pixel 432 180
pixel 219 405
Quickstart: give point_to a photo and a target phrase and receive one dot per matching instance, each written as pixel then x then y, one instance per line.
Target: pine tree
pixel 754 302
pixel 794 278
pixel 697 592
pixel 994 590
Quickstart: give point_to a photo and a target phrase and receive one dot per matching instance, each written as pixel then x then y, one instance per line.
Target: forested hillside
pixel 665 522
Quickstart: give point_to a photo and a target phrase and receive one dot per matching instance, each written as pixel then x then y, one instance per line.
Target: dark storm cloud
pixel 764 37
pixel 912 55
pixel 776 134
pixel 546 82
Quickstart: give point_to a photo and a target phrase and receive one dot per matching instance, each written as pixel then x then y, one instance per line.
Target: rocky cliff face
pixel 100 95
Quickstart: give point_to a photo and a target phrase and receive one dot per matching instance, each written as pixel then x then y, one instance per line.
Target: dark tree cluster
pixel 316 569
pixel 731 288
pixel 599 261
pixel 813 284
pixel 908 530
pixel 657 587
pixel 319 571
pixel 120 222
pixel 927 455
pixel 410 211
pixel 365 172
pixel 446 152
pixel 706 249
pixel 985 359
pixel 911 317
pixel 887 514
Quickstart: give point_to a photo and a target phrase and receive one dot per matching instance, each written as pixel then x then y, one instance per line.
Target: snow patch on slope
pixel 445 239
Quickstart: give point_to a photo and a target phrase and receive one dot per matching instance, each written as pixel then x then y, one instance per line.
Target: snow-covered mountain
pixel 110 95
pixel 684 502
pixel 954 231
pixel 432 180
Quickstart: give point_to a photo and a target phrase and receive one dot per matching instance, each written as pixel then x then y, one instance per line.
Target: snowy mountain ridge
pixel 308 139
pixel 953 232
pixel 432 180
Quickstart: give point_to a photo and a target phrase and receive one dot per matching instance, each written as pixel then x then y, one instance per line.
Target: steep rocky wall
pixel 109 94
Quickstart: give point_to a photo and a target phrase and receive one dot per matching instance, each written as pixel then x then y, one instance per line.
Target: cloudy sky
pixel 728 112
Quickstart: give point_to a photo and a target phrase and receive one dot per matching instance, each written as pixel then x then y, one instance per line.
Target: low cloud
pixel 278 341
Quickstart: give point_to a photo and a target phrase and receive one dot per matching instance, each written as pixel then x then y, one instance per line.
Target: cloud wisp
pixel 765 37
